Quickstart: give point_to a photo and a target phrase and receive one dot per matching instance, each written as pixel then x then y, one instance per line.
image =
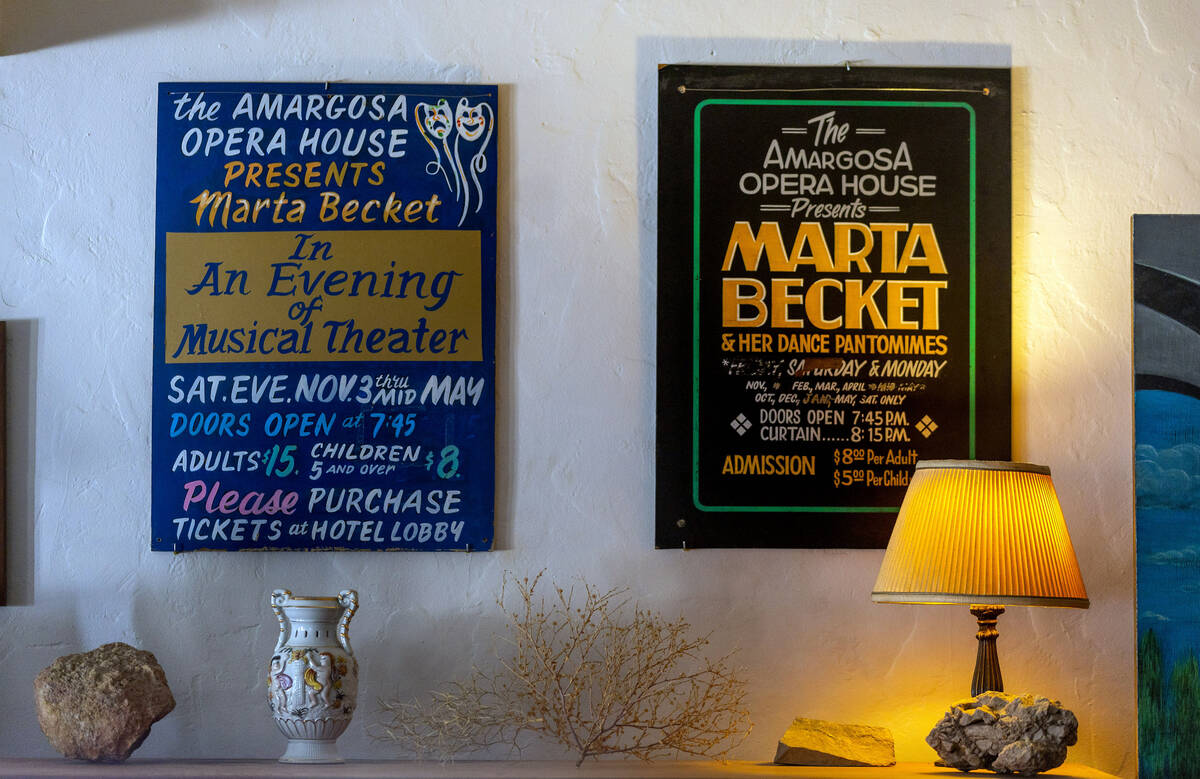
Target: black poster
pixel 834 295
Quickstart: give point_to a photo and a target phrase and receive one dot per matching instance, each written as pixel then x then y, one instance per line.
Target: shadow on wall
pixel 56 624
pixel 30 25
pixel 21 455
pixel 507 236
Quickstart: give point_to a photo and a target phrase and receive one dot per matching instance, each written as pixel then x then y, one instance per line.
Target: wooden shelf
pixel 515 769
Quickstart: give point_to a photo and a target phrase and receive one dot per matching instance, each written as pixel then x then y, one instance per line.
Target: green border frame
pixel 696 288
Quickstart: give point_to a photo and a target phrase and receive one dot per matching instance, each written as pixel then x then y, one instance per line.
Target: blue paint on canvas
pixel 1168 527
pixel 1166 278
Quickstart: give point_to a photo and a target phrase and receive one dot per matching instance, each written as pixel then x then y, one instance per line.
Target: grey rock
pixel 1009 734
pixel 817 742
pixel 99 705
pixel 1029 757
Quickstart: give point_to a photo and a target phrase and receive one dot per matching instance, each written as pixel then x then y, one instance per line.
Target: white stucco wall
pixel 1105 124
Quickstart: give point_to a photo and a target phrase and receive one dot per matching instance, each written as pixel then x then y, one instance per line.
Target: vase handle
pixel 348 600
pixel 278 598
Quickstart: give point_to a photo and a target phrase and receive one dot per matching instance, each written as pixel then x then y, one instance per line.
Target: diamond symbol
pixel 740 424
pixel 926 426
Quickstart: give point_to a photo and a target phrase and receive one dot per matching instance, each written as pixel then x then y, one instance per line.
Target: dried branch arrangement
pixel 590 671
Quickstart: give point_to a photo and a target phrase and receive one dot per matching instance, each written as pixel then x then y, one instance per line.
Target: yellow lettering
pixel 810 235
pixel 843 255
pixel 888 231
pixel 751 246
pixel 782 298
pixel 897 303
pixel 814 304
pixel 213 202
pixel 329 206
pixel 858 300
pixel 922 234
pixel 930 304
pixel 733 299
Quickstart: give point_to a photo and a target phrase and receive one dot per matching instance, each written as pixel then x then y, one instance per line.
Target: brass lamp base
pixel 987 662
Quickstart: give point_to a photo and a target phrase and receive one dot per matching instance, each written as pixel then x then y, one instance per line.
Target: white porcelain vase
pixel 313 674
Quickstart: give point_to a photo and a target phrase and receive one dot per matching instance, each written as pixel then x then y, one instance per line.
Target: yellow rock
pixel 817 742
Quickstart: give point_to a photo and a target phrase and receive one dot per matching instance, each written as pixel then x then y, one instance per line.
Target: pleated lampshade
pixel 980 532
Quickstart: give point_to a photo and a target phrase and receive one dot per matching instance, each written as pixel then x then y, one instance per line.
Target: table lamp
pixel 987 534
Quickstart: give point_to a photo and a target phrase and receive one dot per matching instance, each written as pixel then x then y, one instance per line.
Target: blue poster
pixel 324 317
pixel 1166 334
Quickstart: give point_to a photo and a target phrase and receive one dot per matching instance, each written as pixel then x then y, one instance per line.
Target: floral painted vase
pixel 313 676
